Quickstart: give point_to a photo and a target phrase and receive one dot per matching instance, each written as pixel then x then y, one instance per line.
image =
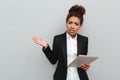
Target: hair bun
pixel 76 8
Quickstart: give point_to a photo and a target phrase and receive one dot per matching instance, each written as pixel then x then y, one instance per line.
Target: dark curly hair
pixel 77 11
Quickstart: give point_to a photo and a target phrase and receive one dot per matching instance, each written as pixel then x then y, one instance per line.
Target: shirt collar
pixel 68 36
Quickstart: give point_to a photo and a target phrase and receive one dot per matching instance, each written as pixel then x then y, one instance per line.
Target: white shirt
pixel 72 73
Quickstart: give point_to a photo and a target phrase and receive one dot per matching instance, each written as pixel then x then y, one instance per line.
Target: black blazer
pixel 59 53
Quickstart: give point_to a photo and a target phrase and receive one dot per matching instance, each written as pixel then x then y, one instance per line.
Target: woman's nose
pixel 72 26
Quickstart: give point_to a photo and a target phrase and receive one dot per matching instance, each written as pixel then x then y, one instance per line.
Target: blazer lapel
pixel 64 44
pixel 64 48
pixel 78 45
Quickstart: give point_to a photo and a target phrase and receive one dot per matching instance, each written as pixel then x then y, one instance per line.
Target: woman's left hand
pixel 85 66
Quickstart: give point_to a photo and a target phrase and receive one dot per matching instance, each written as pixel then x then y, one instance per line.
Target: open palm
pixel 40 41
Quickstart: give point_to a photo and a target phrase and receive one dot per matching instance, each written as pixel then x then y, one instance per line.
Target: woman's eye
pixel 69 22
pixel 77 24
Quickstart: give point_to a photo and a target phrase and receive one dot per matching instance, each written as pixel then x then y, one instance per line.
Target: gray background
pixel 21 59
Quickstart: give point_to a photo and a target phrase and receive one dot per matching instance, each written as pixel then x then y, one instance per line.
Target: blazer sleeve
pixel 52 54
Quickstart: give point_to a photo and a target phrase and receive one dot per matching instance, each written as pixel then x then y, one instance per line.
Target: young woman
pixel 67 46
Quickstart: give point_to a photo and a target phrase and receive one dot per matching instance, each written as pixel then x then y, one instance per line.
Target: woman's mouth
pixel 71 31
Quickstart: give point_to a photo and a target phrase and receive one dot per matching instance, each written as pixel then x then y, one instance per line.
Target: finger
pixel 37 40
pixel 82 65
pixel 41 39
pixel 34 38
pixel 88 65
pixel 85 69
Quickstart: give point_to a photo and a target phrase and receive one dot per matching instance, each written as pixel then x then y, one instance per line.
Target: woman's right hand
pixel 40 41
pixel 85 66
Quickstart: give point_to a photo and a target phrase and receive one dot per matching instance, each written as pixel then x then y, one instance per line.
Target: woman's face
pixel 73 25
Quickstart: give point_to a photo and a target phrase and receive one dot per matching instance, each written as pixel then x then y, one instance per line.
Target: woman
pixel 67 46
